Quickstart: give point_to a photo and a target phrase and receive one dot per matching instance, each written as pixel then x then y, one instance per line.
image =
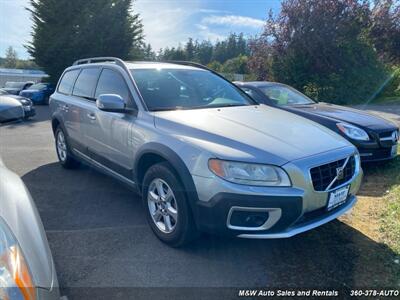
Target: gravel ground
pixel 101 242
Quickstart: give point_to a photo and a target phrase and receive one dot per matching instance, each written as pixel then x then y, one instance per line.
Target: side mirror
pixel 111 103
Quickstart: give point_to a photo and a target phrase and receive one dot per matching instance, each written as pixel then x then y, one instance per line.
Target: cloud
pixel 15 26
pixel 206 34
pixel 166 22
pixel 232 20
pixel 213 11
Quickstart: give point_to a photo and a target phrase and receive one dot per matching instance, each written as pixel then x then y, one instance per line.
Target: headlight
pixel 15 278
pixel 248 173
pixel 353 132
pixel 25 102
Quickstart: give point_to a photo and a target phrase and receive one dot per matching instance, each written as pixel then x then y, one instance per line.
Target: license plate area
pixel 394 150
pixel 337 197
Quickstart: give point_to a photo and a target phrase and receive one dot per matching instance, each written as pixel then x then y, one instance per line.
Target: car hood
pixel 16 97
pixel 19 212
pixel 11 90
pixel 8 102
pixel 345 114
pixel 250 133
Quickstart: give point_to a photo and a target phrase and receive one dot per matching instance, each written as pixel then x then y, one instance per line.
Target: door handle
pixel 91 116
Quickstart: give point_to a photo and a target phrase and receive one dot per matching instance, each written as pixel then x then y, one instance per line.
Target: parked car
pixel 14 88
pixel 204 155
pixel 27 105
pixel 39 93
pixel 26 264
pixel 375 137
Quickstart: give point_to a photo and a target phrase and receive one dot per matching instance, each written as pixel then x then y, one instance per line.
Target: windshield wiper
pixel 225 105
pixel 161 108
pixel 196 107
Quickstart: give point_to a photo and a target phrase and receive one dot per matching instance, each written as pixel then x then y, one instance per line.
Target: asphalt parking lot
pixel 100 239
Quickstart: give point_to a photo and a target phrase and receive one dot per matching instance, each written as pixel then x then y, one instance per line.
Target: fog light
pixel 248 218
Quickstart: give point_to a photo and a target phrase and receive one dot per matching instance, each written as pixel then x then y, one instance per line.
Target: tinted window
pixel 283 95
pixel 67 82
pixel 38 86
pixel 111 82
pixel 86 83
pixel 170 89
pixel 253 94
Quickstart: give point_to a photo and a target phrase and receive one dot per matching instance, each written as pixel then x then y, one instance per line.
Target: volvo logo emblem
pixel 339 173
pixel 395 136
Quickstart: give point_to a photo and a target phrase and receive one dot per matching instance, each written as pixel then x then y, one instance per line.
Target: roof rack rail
pixel 197 65
pixel 93 60
pixel 189 63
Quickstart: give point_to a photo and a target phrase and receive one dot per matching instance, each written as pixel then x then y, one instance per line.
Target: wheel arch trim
pixel 177 163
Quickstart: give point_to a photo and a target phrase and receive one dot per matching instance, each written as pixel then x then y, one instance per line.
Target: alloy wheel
pixel 61 146
pixel 162 205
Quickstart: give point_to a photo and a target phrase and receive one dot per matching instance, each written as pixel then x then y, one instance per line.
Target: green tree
pixel 190 50
pixel 11 58
pixel 320 47
pixel 148 53
pixel 64 31
pixel 204 52
pixel 215 65
pixel 237 65
pixel 384 31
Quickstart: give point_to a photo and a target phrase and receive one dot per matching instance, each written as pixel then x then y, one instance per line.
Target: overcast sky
pixel 166 22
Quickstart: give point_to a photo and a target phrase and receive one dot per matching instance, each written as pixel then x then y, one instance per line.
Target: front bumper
pixel 290 220
pixel 378 153
pixel 12 113
pixel 29 111
pixel 381 147
pixel 271 212
pixel 308 224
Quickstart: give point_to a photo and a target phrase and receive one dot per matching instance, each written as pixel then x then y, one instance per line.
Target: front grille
pixel 323 175
pixel 386 134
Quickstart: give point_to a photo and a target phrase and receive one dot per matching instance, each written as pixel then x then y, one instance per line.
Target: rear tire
pixel 65 158
pixel 167 209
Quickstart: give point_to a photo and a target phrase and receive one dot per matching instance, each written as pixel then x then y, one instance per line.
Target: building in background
pixel 21 75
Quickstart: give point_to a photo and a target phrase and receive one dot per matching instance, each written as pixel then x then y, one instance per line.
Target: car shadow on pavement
pixel 99 238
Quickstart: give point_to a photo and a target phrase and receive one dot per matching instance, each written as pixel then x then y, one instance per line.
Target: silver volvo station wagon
pixel 203 155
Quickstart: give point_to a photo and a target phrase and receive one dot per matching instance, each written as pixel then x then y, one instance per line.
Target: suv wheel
pixel 63 152
pixel 166 205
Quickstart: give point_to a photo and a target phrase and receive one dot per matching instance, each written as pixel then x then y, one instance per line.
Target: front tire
pixel 63 151
pixel 167 208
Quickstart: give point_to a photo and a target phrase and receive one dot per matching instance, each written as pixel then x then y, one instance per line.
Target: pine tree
pixel 64 31
pixel 11 58
pixel 190 49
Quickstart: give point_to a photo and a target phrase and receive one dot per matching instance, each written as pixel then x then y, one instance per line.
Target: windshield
pixel 15 85
pixel 283 95
pixel 38 86
pixel 171 89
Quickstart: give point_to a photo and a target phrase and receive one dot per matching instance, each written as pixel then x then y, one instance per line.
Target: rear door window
pixel 111 82
pixel 67 82
pixel 86 83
